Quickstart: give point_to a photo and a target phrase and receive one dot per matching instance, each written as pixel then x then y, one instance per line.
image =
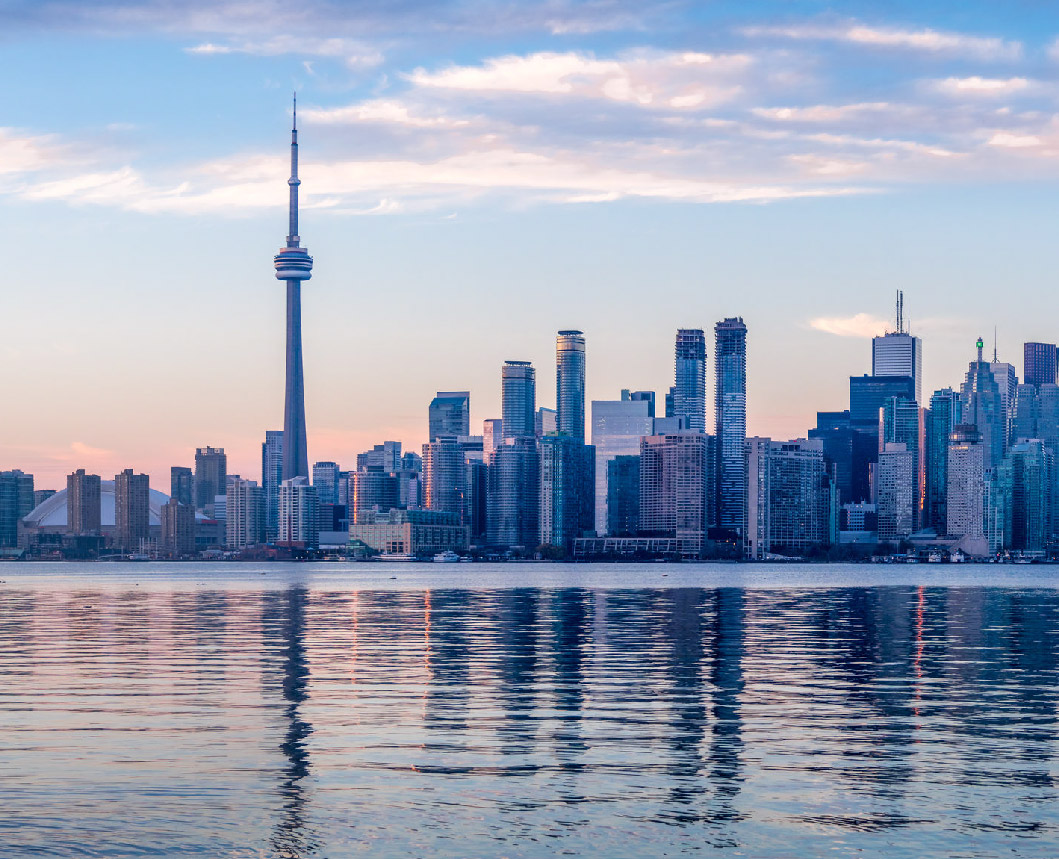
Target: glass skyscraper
pixel 449 414
pixel 617 427
pixel 1040 363
pixel 570 383
pixel 730 359
pixel 271 478
pixel 898 353
pixel 519 396
pixel 689 392
pixel 982 405
pixel 942 419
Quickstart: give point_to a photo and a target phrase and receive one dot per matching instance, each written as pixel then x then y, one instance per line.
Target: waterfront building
pixel 445 476
pixel 981 404
pixel 411 532
pixel 514 494
pixel 1040 363
pixel 1027 481
pixel 617 427
pixel 689 392
pixel 131 510
pixel 623 495
pixel 16 501
pixel 298 513
pixel 271 478
pixel 83 498
pixel 895 492
pixel 901 421
pixel 182 485
pixel 566 493
pixel 866 397
pixel 570 384
pixel 294 265
pixel 245 517
pixel 673 488
pixel 519 399
pixel 449 414
pixel 545 421
pixel 941 421
pixel 325 479
pixel 177 523
pixel 965 493
pixel 476 500
pixel 211 476
pixel 378 492
pixel 757 498
pixel 730 412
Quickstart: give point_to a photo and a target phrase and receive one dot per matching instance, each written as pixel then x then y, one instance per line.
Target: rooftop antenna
pixel 994 344
pixel 900 313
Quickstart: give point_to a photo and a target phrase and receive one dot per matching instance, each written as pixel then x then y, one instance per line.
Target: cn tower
pixel 293 264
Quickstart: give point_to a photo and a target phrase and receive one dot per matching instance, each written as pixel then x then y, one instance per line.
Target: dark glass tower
pixel 570 383
pixel 689 392
pixel 730 356
pixel 1040 363
pixel 293 265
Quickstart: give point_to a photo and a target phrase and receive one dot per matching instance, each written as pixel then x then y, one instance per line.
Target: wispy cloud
pixel 858 325
pixel 354 53
pixel 979 86
pixel 926 40
pixel 379 111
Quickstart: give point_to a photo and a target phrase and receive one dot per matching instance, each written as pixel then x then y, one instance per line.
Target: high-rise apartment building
pixel 545 421
pixel 617 427
pixel 211 476
pixel 83 503
pixel 492 436
pixel 445 476
pixel 689 392
pixel 1027 481
pixel 271 478
pixel 941 421
pixel 16 501
pixel 730 412
pixel 1040 363
pixel 895 492
pixel 325 479
pixel 132 496
pixel 981 404
pixel 514 494
pixel 298 514
pixel 901 421
pixel 382 457
pixel 374 492
pixel 449 414
pixel 673 488
pixel 245 514
pixel 570 383
pixel 964 500
pixel 182 485
pixel 519 399
pixel 1007 383
pixel 177 522
pixel 566 494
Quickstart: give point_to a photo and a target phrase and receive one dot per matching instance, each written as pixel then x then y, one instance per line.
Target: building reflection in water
pixel 285 670
pixel 569 616
pixel 726 677
pixel 515 640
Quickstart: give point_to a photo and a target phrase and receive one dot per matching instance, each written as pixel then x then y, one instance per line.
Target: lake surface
pixel 528 710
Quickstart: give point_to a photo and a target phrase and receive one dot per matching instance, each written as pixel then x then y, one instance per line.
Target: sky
pixel 477 176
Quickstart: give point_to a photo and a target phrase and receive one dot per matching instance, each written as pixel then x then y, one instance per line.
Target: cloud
pixel 354 53
pixel 823 112
pixel 22 153
pixel 859 325
pixel 926 41
pixel 978 86
pixel 83 451
pixel 1008 140
pixel 385 111
pixel 677 80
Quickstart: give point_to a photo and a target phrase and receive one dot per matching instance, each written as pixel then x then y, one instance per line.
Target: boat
pixel 446 557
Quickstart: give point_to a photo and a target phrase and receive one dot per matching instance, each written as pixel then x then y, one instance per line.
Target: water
pixel 528 710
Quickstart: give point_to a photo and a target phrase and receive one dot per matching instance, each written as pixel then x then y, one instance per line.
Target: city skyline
pixel 920 137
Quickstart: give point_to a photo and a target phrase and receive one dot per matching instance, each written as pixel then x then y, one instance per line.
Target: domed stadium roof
pixel 51 512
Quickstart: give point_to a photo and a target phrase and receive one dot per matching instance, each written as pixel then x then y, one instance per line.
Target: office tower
pixel 570 383
pixel 211 476
pixel 545 421
pixel 838 439
pixel 519 399
pixel 866 396
pixel 244 514
pixel 476 500
pixel 673 488
pixel 298 513
pixel 325 479
pixel 514 494
pixel 895 492
pixel 177 522
pixel 1026 480
pixel 964 500
pixel 182 485
pixel 83 503
pixel 492 436
pixel 1007 383
pixel 643 396
pixel 382 457
pixel 293 265
pixel 271 477
pixel 730 358
pixel 375 492
pixel 131 510
pixel 444 476
pixel 16 501
pixel 670 401
pixel 617 427
pixel 449 414
pixel 941 421
pixel 689 392
pixel 1040 363
pixel 901 421
pixel 567 479
pixel 981 404
pixel 898 353
pixel 623 495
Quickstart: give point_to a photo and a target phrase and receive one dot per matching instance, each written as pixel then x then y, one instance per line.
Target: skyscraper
pixel 566 489
pixel 942 419
pixel 449 414
pixel 570 383
pixel 271 477
pixel 83 503
pixel 16 500
pixel 298 513
pixel 1040 363
pixel 293 265
pixel 964 494
pixel 177 523
pixel 673 488
pixel 981 404
pixel 901 421
pixel 514 494
pixel 730 358
pixel 895 492
pixel 445 476
pixel 211 476
pixel 131 509
pixel 244 514
pixel 325 479
pixel 182 485
pixel 519 399
pixel 617 427
pixel 689 392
